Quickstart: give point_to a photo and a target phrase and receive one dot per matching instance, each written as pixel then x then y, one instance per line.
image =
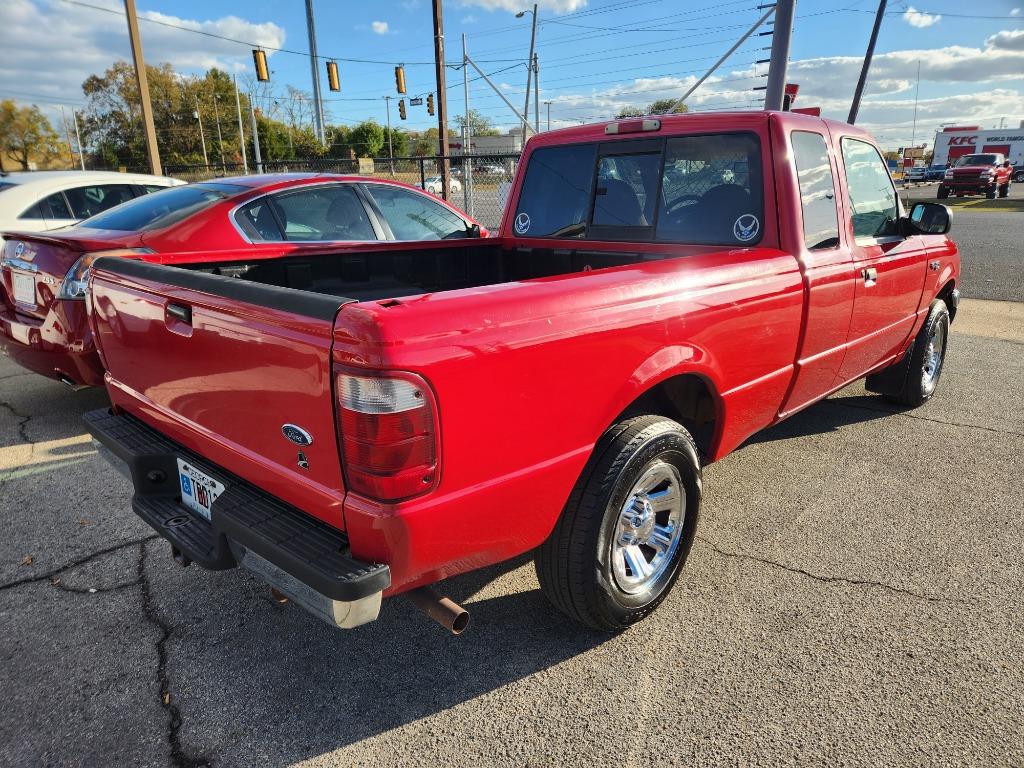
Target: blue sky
pixel 595 55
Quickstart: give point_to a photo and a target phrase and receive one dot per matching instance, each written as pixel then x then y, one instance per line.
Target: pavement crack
pixel 919 417
pixel 830 579
pixel 178 756
pixel 24 419
pixel 52 574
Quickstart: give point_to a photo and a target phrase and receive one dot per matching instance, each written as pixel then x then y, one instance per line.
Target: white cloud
pixel 59 45
pixel 469 19
pixel 514 6
pixel 379 27
pixel 1007 40
pixel 920 19
pixel 1015 12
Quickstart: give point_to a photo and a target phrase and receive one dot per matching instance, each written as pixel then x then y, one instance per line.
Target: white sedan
pixel 33 201
pixel 433 185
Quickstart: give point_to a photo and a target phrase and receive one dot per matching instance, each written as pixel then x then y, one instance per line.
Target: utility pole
pixel 255 137
pixel 152 151
pixel 548 105
pixel 529 67
pixel 78 138
pixel 776 86
pixel 913 134
pixel 314 62
pixel 467 147
pixel 855 107
pixel 220 142
pixel 241 133
pixel 442 97
pixel 202 138
pixel 391 152
pixel 536 94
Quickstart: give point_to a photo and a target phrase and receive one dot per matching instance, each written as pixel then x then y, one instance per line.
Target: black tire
pixel 943 192
pixel 923 370
pixel 1004 190
pixel 574 566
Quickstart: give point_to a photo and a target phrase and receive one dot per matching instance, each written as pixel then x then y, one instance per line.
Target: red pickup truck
pixel 989 174
pixel 661 289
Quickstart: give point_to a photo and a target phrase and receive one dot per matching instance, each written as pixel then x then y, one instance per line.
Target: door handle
pixel 181 312
pixel 870 275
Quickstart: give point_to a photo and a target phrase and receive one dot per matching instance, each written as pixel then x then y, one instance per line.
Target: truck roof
pixel 689 121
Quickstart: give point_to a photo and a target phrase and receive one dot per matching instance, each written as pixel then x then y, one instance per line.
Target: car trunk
pixel 34 266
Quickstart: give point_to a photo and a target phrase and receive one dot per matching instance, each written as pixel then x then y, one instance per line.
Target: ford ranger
pixel 359 424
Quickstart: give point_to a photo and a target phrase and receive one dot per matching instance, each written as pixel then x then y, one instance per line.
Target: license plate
pixel 198 489
pixel 24 289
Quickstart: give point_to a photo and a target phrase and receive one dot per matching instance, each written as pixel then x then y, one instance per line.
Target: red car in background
pixel 44 276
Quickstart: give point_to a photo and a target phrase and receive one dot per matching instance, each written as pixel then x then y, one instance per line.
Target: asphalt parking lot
pixel 854 598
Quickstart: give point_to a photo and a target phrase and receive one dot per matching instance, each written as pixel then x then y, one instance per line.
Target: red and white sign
pixel 957 142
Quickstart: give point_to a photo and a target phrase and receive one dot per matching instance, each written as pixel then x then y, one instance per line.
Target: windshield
pixel 163 208
pixel 976 160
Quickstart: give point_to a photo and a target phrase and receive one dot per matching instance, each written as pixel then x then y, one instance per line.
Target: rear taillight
pixel 388 434
pixel 76 282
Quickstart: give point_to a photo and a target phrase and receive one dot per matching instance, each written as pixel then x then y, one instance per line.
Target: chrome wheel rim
pixel 933 355
pixel 648 528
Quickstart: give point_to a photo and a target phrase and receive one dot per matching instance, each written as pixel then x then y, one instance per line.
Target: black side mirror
pixel 929 219
pixel 473 230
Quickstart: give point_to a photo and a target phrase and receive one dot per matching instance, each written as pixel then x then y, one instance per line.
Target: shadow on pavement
pixel 828 416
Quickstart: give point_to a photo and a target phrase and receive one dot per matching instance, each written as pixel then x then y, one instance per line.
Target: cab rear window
pixel 701 189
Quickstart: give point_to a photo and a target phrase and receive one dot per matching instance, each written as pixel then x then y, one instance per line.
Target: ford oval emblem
pixel 19 249
pixel 296 434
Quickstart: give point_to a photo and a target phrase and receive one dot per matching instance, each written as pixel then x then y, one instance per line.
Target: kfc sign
pixel 956 141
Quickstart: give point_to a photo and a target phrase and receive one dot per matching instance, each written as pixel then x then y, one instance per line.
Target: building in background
pixel 956 141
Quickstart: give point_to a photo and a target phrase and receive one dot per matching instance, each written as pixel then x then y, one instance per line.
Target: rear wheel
pixel 628 527
pixel 926 358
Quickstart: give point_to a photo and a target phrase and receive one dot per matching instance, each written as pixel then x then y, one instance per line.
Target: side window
pixel 323 213
pixel 52 207
pixel 712 190
pixel 817 190
pixel 259 222
pixel 875 209
pixel 627 189
pixel 148 188
pixel 96 198
pixel 555 199
pixel 412 216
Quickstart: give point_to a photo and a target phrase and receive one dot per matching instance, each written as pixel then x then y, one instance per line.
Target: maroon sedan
pixel 44 276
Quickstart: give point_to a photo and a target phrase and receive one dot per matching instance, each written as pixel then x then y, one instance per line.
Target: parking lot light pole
pixel 241 133
pixel 548 105
pixel 78 138
pixel 202 136
pixel 529 65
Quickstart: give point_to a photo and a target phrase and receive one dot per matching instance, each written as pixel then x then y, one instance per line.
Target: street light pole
pixel 529 66
pixel 536 94
pixel 78 138
pixel 548 104
pixel 241 133
pixel 220 141
pixel 202 137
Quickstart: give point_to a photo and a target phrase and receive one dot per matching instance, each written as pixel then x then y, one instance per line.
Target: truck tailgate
pixel 222 365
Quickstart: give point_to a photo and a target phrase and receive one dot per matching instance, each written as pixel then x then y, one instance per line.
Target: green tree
pixel 630 112
pixel 367 139
pixel 659 107
pixel 399 142
pixel 26 134
pixel 478 124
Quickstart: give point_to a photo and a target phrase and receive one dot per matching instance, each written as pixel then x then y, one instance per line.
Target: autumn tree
pixel 26 134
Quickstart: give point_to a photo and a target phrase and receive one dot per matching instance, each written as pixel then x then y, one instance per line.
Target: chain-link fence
pixel 479 183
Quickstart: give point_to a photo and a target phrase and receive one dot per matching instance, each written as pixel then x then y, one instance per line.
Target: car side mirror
pixel 473 230
pixel 929 219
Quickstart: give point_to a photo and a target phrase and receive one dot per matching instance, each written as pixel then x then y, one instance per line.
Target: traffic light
pixel 333 79
pixel 259 57
pixel 430 104
pixel 400 79
pixel 401 108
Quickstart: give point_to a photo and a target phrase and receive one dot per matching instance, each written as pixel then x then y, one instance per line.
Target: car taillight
pixel 76 282
pixel 388 434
